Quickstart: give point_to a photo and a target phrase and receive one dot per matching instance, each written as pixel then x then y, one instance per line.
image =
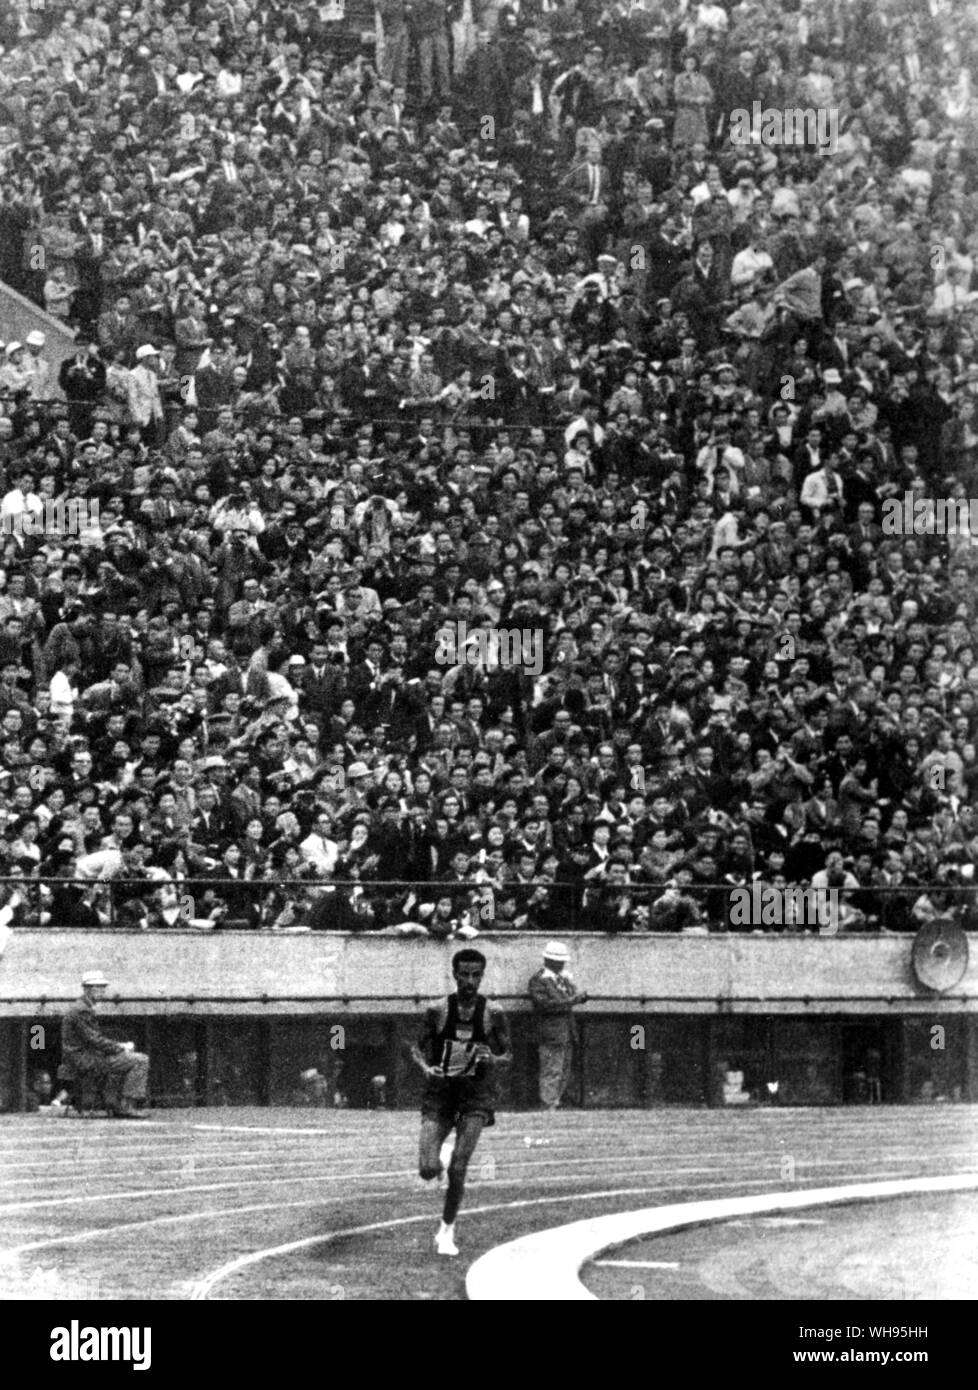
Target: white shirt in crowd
pixel 63 695
pixel 319 851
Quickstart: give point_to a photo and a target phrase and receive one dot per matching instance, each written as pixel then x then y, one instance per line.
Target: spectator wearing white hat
pixel 14 375
pixel 37 366
pixel 145 401
pixel 835 398
pixel 554 996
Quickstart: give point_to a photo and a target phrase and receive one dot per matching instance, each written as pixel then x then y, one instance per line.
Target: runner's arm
pixel 421 1050
pixel 500 1052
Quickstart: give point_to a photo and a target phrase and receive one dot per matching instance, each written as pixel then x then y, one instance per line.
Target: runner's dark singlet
pixel 453 1050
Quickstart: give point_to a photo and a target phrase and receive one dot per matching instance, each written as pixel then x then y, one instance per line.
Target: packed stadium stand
pixel 469 471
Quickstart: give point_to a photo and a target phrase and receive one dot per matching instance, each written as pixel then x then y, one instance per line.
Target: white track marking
pixel 112 1131
pixel 729 1126
pixel 54 1129
pixel 723 1133
pixel 533 1165
pixel 99 1232
pixel 832 1128
pixel 202 1156
pixel 229 1169
pixel 546 1266
pixel 77 1237
pixel 204 1286
pixel 641 1121
pixel 177 1172
pixel 106 1133
pixel 274 1129
pixel 399 1173
pixel 111 1153
pixel 31 1135
pixel 95 1153
pixel 11 1208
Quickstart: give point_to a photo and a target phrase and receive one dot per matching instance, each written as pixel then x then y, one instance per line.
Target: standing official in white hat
pixel 554 996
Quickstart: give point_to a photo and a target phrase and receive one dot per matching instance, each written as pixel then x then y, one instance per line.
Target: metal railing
pixel 448 908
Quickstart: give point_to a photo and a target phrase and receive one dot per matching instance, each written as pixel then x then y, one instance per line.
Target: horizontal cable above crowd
pixel 434 887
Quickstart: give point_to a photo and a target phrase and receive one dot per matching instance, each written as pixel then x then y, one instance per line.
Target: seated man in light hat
pixel 87 1050
pixel 554 995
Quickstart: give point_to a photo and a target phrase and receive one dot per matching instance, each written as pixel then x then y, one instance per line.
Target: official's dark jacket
pixel 83 1045
pixel 554 996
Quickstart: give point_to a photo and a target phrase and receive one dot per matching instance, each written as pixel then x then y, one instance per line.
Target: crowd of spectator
pixel 494 325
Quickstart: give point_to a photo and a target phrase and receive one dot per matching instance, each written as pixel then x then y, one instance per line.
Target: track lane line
pixel 203 1287
pixel 176 1217
pixel 532 1165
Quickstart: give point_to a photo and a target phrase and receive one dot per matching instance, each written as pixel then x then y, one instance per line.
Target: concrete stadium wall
pixel 626 1059
pixel 20 316
pixel 233 1018
pixel 264 975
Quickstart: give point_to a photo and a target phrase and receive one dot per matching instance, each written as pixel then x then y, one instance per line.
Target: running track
pixel 270 1204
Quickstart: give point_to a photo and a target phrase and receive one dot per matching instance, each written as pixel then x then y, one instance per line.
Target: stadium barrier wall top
pixel 268 974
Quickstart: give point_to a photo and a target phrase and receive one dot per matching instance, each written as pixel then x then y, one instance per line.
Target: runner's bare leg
pixel 433 1135
pixel 469 1129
